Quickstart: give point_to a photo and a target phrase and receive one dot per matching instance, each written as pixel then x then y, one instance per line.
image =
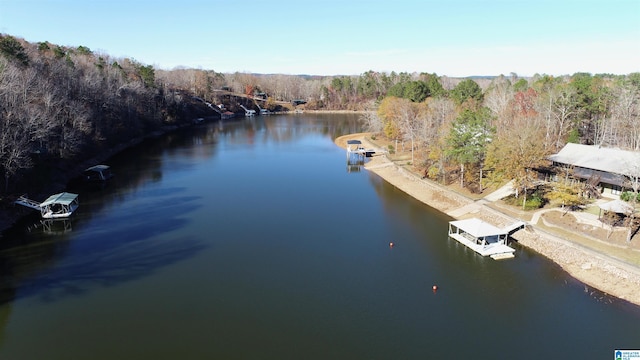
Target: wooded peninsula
pixel 61 106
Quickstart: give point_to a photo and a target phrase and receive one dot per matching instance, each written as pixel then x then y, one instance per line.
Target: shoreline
pixel 11 214
pixel 590 267
pixel 595 269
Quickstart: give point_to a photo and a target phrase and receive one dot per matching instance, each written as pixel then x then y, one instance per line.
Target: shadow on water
pixel 109 246
pixel 109 267
pixel 116 237
pixel 51 267
pixel 116 242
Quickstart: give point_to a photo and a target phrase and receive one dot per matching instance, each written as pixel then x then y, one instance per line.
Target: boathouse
pixel 98 173
pixel 484 238
pixel 355 149
pixel 56 206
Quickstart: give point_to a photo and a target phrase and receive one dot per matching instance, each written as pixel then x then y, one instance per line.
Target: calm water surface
pixel 254 240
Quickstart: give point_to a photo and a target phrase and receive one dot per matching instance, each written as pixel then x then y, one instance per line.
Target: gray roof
pixel 61 198
pixel 610 160
pixel 97 168
pixel 618 206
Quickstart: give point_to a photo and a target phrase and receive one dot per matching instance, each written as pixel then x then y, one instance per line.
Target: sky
pixel 456 38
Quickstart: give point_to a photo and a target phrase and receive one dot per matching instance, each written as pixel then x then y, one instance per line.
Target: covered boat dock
pixel 484 238
pixel 98 173
pixel 355 148
pixel 56 206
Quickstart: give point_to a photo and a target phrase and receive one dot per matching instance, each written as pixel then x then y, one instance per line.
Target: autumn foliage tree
pixel 386 112
pixel 516 154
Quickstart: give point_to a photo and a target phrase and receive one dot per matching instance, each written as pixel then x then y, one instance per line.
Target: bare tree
pixel 410 118
pixel 14 148
pixel 372 121
pixel 625 117
pixel 498 96
pixel 558 108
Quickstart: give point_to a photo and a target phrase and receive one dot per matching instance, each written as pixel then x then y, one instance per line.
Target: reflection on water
pixel 249 240
pixel 355 165
pixel 57 226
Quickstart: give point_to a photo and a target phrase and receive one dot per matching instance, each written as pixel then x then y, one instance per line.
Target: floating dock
pixel 355 149
pixel 484 238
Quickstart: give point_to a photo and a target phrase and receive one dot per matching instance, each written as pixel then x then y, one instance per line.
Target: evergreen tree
pixel 465 90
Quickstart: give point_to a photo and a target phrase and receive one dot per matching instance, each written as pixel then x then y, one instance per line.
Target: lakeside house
pixel 609 170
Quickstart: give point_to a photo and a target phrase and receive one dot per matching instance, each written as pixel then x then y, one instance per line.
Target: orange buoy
pixel 390 244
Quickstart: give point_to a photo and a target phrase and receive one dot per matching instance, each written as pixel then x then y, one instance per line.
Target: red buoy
pixel 390 244
pixel 435 288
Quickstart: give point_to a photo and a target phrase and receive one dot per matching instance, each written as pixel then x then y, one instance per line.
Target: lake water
pixel 254 240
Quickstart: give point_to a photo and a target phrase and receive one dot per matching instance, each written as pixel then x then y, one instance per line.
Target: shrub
pixel 391 149
pixel 534 202
pixel 628 196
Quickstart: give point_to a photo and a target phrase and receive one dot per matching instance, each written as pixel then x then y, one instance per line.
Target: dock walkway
pixel 25 201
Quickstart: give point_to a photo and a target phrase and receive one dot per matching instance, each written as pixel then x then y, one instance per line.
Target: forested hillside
pixel 62 105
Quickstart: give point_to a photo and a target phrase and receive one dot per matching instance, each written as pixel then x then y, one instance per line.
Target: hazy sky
pixel 330 37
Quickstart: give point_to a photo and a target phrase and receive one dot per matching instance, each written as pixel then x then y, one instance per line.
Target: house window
pixel 616 190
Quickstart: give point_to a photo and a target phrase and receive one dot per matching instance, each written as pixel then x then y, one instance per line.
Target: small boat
pixel 98 173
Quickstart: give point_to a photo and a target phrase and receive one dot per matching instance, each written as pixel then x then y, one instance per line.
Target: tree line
pixel 507 130
pixel 61 104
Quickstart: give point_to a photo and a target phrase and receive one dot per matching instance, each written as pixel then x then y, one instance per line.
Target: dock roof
pixel 477 228
pixel 97 168
pixel 64 198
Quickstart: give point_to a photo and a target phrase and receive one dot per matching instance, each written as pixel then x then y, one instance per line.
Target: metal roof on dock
pixel 477 228
pixel 64 198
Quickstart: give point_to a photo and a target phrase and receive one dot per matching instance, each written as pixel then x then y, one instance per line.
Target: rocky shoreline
pixel 594 269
